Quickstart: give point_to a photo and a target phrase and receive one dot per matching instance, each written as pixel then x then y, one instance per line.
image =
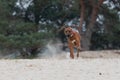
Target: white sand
pixel 64 69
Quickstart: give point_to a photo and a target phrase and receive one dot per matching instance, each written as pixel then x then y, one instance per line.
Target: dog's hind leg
pixel 78 51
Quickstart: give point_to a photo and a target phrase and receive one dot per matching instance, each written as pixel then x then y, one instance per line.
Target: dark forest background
pixel 27 26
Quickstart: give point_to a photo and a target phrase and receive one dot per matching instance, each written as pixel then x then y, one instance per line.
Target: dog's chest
pixel 73 40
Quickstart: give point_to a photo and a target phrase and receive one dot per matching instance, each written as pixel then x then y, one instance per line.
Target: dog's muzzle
pixel 68 36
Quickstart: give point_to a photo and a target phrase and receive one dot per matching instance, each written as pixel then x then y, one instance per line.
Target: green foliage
pixel 4 27
pixel 21 35
pixel 18 41
pixel 6 8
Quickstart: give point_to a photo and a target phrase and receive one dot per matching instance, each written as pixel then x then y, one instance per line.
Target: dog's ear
pixel 65 31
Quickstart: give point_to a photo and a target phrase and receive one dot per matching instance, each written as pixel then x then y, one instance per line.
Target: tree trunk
pixel 82 14
pixel 87 36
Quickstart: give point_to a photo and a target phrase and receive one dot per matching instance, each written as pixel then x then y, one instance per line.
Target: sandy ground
pixel 65 69
pixel 92 65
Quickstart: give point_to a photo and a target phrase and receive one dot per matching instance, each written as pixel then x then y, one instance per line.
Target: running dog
pixel 73 38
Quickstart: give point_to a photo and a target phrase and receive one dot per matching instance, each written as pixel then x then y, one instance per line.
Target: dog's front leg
pixel 71 50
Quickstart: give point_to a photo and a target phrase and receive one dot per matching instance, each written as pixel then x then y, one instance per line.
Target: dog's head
pixel 68 31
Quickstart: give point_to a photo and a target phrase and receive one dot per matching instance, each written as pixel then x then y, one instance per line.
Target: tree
pixel 94 10
pixel 15 34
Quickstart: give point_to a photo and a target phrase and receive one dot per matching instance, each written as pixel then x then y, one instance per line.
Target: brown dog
pixel 73 41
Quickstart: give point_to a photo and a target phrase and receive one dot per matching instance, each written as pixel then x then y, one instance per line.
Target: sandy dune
pixel 92 65
pixel 66 69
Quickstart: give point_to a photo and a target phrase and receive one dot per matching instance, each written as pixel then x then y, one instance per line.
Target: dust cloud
pixel 54 51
